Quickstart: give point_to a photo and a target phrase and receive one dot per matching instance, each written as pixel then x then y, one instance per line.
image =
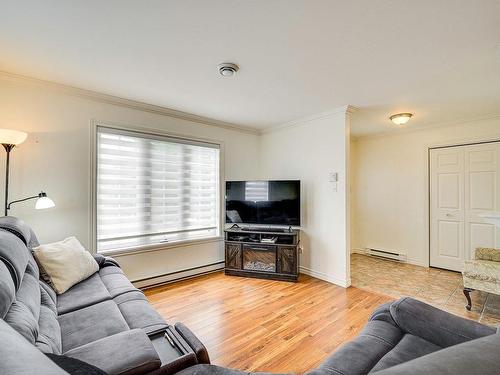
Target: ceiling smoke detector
pixel 228 69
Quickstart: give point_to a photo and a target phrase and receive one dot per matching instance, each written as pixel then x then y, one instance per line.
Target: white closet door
pixel 482 193
pixel 464 183
pixel 447 208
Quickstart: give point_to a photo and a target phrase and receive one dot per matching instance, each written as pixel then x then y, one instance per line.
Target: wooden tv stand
pixel 247 255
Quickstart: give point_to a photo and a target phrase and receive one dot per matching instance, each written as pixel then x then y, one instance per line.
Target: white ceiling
pixel 439 59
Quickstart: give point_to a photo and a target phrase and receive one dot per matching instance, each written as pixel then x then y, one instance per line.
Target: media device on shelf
pixel 263 203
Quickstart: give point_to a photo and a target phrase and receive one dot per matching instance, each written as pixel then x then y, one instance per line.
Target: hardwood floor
pixel 264 325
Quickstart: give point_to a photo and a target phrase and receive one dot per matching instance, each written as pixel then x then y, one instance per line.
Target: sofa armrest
pixel 434 325
pixel 473 357
pixel 127 352
pixel 485 253
pixel 193 341
pixel 103 261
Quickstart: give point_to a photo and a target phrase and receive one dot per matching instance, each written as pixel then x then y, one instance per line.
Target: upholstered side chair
pixel 482 273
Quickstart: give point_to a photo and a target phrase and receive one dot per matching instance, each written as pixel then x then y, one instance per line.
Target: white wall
pixel 389 185
pixel 56 158
pixel 308 150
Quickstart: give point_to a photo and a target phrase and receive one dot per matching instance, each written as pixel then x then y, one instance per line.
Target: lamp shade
pixel 44 202
pixel 12 137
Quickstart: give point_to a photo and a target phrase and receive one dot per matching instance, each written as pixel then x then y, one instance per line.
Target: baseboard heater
pixel 400 257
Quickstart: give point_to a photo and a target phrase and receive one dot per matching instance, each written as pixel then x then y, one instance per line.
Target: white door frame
pixel 428 148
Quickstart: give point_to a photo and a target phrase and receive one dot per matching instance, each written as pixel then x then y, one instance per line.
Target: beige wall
pixel 389 185
pixel 56 158
pixel 308 151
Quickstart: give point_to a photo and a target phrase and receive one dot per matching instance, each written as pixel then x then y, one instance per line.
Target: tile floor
pixel 437 287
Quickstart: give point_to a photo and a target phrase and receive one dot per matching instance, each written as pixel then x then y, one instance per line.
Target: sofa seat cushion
pixel 360 355
pixel 408 348
pixel 138 313
pixel 115 281
pixel 91 323
pixel 129 352
pixel 85 293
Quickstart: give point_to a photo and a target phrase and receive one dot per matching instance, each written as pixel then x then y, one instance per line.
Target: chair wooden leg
pixel 467 295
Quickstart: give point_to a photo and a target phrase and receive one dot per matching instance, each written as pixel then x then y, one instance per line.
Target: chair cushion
pixel 91 323
pixel 484 270
pixel 65 262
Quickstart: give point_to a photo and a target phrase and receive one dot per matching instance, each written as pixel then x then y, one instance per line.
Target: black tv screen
pixel 263 202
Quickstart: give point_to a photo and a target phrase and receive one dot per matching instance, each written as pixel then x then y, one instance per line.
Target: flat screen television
pixel 263 202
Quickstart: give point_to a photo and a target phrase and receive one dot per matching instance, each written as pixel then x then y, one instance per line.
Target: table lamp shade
pixel 12 137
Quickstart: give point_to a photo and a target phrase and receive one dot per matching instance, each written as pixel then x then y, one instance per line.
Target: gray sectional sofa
pixel 103 320
pixel 106 322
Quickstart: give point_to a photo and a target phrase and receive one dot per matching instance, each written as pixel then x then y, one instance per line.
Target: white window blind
pixel 153 189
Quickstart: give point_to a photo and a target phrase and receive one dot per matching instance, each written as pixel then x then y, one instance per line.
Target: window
pixel 153 189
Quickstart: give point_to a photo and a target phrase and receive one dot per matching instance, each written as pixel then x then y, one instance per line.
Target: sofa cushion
pixel 129 352
pixel 14 256
pixel 115 281
pixel 25 310
pixel 360 355
pixel 49 335
pixel 74 366
pixel 19 357
pixel 87 292
pixel 138 313
pixel 91 323
pixel 66 263
pixel 408 348
pixel 478 356
pixel 434 325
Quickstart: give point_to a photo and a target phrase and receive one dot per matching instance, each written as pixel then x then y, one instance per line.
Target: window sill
pixel 159 246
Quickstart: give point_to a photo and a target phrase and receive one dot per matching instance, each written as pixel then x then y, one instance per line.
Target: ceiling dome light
pixel 228 69
pixel 401 118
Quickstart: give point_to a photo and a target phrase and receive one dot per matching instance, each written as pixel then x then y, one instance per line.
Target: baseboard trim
pixel 171 277
pixel 417 262
pixel 325 277
pixel 358 251
pixel 414 261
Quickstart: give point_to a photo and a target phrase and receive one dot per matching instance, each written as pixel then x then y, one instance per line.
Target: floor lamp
pixel 9 139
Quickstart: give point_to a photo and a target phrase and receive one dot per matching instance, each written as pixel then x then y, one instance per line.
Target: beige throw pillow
pixel 65 263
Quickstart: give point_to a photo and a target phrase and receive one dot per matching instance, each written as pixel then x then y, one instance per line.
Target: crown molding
pixel 426 127
pixel 127 103
pixel 344 110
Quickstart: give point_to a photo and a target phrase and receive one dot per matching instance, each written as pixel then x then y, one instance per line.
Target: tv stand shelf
pixel 248 254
